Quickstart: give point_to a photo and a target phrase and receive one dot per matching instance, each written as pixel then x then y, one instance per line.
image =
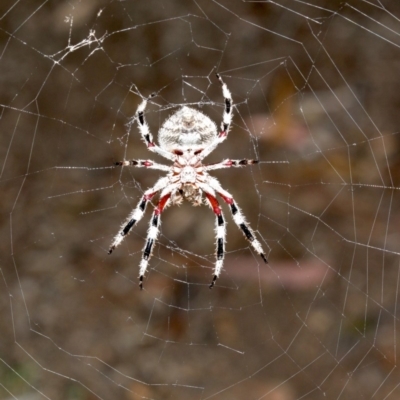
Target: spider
pixel 186 138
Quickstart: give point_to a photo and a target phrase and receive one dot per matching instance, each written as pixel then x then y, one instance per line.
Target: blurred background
pixel 316 97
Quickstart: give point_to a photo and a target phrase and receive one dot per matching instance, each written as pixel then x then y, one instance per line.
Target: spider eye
pixel 178 152
pixel 198 151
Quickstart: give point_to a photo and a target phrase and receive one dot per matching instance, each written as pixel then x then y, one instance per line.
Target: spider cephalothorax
pixel 186 138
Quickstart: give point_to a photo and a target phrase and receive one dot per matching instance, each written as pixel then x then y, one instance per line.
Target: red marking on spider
pixel 214 204
pixel 161 204
pixel 149 196
pixel 228 200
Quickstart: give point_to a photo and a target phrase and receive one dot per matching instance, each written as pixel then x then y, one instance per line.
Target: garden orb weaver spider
pixel 186 138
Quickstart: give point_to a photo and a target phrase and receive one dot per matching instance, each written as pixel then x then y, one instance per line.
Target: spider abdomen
pixel 187 129
pixel 192 193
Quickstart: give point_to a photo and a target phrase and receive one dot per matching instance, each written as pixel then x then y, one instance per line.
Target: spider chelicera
pixel 186 138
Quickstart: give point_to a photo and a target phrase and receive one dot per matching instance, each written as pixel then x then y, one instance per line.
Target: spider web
pixel 316 97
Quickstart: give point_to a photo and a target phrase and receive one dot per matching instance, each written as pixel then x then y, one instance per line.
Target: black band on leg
pixel 142 205
pixel 141 118
pixel 147 250
pixel 228 106
pixel 155 220
pixel 128 227
pixel 213 282
pixel 247 232
pixel 220 249
pixel 233 208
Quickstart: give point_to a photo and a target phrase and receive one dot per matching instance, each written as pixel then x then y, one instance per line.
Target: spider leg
pixel 238 217
pixel 143 163
pixel 221 233
pixel 229 163
pixel 138 212
pixel 146 134
pixel 152 234
pixel 227 117
pixel 226 120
